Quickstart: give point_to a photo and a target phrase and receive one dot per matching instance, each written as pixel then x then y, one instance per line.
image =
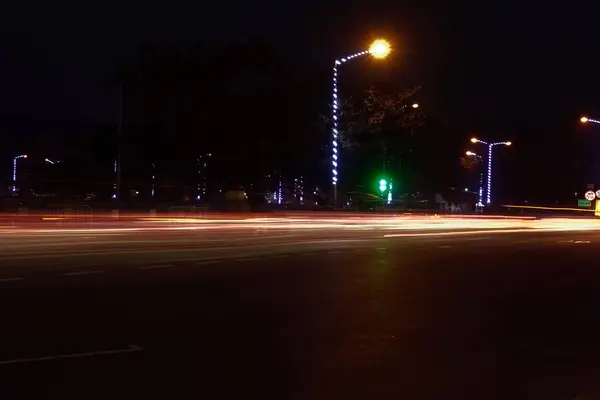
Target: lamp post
pixel 586 120
pixel 378 49
pixel 14 176
pixel 490 146
pixel 480 191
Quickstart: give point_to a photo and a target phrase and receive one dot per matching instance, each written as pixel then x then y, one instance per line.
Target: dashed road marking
pixel 305 254
pixel 444 247
pixel 82 273
pixel 157 266
pixel 11 279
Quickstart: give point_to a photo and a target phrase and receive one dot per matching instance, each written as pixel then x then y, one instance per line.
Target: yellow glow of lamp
pixel 508 143
pixel 474 140
pixel 597 210
pixel 584 119
pixel 380 48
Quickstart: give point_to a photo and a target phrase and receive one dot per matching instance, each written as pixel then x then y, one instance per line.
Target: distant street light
pixel 480 191
pixel 14 177
pixel 490 146
pixel 379 49
pixel 416 105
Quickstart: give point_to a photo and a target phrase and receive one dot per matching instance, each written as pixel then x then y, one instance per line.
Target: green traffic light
pixel 382 182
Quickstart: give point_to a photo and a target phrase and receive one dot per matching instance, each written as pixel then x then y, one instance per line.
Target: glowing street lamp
pixel 490 146
pixel 379 49
pixel 14 177
pixel 585 120
pixel 480 192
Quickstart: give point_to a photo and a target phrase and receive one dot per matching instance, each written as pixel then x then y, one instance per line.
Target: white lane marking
pixel 359 251
pixel 82 273
pixel 444 247
pixel 130 349
pixel 305 254
pixel 157 266
pixel 11 279
pixel 207 262
pixel 582 241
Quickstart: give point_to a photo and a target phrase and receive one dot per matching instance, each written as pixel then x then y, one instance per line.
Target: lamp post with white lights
pixel 586 120
pixel 14 175
pixel 379 49
pixel 480 190
pixel 490 146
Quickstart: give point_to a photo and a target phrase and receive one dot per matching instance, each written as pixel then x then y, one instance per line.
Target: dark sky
pixel 473 57
pixel 528 68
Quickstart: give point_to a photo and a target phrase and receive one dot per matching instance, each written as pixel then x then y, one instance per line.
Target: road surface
pixel 300 313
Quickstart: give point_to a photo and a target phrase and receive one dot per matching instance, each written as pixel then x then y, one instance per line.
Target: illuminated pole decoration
pixel 153 189
pixel 378 49
pixel 279 193
pixel 480 191
pixel 14 176
pixel 116 184
pixel 490 146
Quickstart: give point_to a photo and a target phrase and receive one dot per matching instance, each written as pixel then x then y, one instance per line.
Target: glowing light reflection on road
pixel 310 222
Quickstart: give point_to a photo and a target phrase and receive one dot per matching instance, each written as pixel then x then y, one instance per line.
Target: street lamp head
pixel 508 143
pixel 415 105
pixel 24 155
pixel 584 119
pixel 474 140
pixel 470 153
pixel 380 48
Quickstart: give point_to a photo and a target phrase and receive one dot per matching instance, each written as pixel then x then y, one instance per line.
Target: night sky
pixel 501 70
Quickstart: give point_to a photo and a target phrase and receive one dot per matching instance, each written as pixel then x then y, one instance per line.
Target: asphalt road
pixel 285 314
